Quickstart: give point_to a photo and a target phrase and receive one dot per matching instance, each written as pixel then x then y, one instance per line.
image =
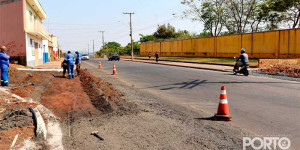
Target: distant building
pixel 22 32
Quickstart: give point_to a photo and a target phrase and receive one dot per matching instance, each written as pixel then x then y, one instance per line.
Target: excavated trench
pixel 84 96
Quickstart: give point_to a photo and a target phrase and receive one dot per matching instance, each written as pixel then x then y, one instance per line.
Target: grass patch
pixel 209 60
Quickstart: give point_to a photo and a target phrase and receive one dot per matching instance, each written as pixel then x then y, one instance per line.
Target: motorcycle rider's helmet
pixel 243 51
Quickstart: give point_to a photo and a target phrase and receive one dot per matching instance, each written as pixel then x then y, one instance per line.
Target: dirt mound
pixel 16 76
pixel 288 70
pixel 103 96
pixel 24 84
pixel 15 118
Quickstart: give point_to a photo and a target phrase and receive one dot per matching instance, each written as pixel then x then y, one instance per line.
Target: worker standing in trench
pixel 4 64
pixel 70 61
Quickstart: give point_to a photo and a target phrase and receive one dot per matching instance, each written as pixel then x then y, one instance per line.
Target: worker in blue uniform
pixel 4 64
pixel 70 62
pixel 78 62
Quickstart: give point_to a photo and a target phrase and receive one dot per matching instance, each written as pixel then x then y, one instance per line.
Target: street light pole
pixel 130 14
pixel 102 38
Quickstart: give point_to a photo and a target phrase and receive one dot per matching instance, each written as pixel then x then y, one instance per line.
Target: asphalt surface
pixel 264 106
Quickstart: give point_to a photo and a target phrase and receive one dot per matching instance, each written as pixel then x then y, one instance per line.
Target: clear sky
pixel 77 22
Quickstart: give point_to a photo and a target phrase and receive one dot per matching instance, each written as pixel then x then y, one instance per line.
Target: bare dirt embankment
pixel 284 70
pixel 281 67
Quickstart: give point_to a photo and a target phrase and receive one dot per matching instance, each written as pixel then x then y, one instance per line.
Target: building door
pixel 36 53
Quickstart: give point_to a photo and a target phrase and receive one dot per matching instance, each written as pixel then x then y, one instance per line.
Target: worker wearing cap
pixel 78 62
pixel 70 61
pixel 4 65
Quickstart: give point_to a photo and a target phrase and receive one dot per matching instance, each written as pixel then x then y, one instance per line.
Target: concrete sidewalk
pixel 51 65
pixel 187 65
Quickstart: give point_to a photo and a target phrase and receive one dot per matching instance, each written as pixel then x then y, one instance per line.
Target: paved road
pixel 269 107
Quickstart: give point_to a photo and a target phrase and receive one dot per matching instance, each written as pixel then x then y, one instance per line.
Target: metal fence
pixel 270 44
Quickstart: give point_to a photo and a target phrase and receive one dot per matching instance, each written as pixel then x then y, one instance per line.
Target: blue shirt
pixel 4 60
pixel 70 59
pixel 78 59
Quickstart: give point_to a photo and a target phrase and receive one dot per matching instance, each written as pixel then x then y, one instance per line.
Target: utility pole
pixel 88 49
pixel 102 38
pixel 130 14
pixel 94 48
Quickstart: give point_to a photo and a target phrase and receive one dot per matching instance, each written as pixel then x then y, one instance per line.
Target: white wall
pixel 30 54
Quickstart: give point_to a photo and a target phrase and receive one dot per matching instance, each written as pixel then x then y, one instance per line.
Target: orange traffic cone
pixel 100 66
pixel 114 70
pixel 223 110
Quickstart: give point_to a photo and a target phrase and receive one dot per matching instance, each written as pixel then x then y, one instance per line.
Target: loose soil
pixel 285 70
pixel 103 96
pixel 14 119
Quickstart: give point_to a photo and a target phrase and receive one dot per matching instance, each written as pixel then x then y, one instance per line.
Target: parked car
pixel 114 56
pixel 85 57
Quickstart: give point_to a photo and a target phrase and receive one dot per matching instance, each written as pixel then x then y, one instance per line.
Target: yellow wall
pixel 271 44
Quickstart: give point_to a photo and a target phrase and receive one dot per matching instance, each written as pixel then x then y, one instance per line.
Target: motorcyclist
pixel 242 60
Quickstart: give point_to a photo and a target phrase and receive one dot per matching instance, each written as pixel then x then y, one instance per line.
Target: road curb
pixel 212 69
pixel 40 70
pixel 40 126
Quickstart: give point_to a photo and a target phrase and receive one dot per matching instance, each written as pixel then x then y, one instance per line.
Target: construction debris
pixel 95 133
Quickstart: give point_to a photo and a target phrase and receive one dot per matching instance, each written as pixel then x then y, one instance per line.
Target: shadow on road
pixel 195 83
pixel 207 118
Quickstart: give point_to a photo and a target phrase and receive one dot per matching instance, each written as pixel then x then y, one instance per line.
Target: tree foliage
pixel 115 47
pixel 127 48
pixel 165 32
pixel 242 16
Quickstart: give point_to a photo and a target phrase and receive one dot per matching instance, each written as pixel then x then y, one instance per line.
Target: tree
pixel 146 38
pixel 110 47
pixel 281 11
pixel 127 48
pixel 165 32
pixel 239 15
pixel 210 12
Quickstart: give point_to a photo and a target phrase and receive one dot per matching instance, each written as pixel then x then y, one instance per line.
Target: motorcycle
pixel 240 69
